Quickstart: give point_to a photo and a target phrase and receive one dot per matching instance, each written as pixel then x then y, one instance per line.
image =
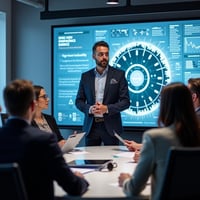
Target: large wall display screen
pixel 152 54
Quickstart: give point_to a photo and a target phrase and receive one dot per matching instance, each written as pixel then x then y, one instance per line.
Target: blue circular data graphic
pixel 147 71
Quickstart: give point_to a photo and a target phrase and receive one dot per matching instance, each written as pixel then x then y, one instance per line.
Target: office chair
pixel 182 175
pixel 4 117
pixel 11 182
pixel 101 198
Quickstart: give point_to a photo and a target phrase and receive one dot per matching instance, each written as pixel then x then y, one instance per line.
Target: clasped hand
pixel 99 109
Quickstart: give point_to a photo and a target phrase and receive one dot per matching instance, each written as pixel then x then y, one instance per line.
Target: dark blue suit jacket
pixel 40 159
pixel 116 97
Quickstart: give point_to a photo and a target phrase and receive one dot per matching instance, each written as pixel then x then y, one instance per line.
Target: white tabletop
pixel 104 183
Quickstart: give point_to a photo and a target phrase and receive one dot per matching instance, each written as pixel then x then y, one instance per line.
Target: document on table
pixel 78 152
pixel 128 154
pixel 82 170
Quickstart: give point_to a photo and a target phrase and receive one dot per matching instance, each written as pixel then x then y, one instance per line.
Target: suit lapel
pixel 109 76
pixel 91 82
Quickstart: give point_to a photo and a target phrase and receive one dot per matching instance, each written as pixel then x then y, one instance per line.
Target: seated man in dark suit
pixel 36 152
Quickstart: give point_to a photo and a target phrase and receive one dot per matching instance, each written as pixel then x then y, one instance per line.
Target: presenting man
pixel 102 95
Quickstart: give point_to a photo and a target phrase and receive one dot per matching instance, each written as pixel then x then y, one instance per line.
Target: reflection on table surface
pixel 103 183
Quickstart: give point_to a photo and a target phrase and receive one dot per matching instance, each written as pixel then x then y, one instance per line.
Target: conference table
pixel 103 183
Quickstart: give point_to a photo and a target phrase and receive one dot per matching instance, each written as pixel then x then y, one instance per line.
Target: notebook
pixel 71 142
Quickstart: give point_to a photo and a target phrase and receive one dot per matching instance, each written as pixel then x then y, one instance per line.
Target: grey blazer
pixel 156 143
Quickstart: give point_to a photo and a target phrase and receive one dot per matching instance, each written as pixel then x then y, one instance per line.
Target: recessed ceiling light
pixel 112 2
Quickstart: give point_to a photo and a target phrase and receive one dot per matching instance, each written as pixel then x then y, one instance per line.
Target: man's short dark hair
pixel 99 43
pixel 18 95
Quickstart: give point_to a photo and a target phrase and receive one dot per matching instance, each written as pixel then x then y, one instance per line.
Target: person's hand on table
pixel 122 177
pixel 132 145
pixel 79 174
pixel 136 155
pixel 61 143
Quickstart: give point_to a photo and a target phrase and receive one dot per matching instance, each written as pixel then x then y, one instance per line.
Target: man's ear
pixel 194 96
pixel 33 104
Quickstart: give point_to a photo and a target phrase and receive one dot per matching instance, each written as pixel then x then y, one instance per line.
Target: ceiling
pixel 54 9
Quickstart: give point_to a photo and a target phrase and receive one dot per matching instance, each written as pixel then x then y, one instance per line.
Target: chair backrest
pixel 182 175
pixel 103 198
pixel 11 182
pixel 4 117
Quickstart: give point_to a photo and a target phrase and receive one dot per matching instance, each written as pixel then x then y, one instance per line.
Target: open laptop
pixel 71 142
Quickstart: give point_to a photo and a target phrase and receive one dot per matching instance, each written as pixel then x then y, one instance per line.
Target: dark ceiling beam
pixel 121 10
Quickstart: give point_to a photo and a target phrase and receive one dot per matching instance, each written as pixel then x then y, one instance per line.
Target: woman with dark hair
pixel 178 126
pixel 44 121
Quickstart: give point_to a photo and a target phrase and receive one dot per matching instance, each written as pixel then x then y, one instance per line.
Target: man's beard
pixel 102 64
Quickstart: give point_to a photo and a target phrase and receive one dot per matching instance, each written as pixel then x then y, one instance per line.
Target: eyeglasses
pixel 45 96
